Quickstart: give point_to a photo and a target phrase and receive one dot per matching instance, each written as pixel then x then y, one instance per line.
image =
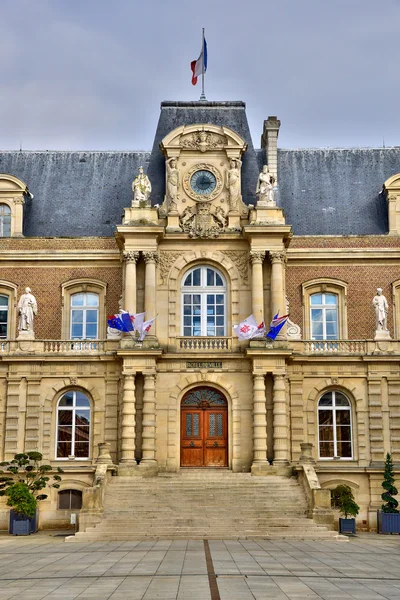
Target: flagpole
pixel 203 96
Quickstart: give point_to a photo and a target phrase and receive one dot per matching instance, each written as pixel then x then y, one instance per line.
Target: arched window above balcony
pixel 203 302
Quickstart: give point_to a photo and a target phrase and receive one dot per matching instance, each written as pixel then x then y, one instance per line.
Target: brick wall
pixel 370 241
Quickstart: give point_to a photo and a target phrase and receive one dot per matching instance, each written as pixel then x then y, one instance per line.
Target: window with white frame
pixel 84 316
pixel 73 425
pixel 334 426
pixel 3 317
pixel 203 303
pixel 324 316
pixel 5 220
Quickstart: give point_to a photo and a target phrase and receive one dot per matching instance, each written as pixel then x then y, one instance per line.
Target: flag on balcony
pixel 248 329
pixel 145 328
pixel 276 325
pixel 122 321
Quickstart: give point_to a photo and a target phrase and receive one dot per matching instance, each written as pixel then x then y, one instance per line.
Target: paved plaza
pixel 44 566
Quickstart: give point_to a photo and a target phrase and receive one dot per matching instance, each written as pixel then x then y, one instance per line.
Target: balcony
pixel 335 347
pixel 204 344
pixel 58 347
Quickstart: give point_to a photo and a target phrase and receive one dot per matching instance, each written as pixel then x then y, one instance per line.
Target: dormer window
pixel 13 192
pixel 5 220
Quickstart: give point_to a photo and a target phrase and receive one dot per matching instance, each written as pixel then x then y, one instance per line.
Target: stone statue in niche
pixel 233 183
pixel 141 188
pixel 27 310
pixel 381 306
pixel 265 188
pixel 172 183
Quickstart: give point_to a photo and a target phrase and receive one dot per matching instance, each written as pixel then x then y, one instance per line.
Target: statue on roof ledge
pixel 141 188
pixel 265 188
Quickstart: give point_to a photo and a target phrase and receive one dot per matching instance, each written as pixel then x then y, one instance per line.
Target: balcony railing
pixel 334 347
pixel 205 344
pixel 58 347
pixel 73 346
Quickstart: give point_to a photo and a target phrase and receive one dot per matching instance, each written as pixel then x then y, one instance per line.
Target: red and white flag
pixel 146 326
pixel 246 329
pixel 199 66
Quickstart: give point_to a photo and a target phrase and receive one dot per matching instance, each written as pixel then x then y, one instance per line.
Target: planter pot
pixel 22 525
pixel 347 526
pixel 388 522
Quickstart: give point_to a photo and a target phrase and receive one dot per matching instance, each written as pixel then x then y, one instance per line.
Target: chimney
pixel 269 143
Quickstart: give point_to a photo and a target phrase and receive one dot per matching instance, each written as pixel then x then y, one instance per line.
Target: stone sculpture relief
pixel 203 141
pixel 265 188
pixel 293 331
pixel 200 221
pixel 141 188
pixel 233 183
pixel 381 306
pixel 172 184
pixel 27 310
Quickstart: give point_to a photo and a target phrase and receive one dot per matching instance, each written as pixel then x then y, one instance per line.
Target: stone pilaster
pixel 128 425
pixel 260 465
pixel 148 464
pixel 278 299
pixel 130 258
pixel 150 295
pixel 281 446
pixel 257 285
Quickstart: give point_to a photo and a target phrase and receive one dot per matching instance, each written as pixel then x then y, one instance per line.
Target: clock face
pixel 203 182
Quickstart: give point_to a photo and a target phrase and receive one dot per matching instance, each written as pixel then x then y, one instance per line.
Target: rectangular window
pixel 84 316
pixel 3 317
pixel 324 316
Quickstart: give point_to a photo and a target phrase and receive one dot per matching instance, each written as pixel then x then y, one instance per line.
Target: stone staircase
pixel 198 503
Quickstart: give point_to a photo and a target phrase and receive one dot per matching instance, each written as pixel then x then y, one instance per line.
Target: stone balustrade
pixel 203 344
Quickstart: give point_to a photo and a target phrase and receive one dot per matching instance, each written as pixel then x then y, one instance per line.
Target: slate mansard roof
pixel 322 191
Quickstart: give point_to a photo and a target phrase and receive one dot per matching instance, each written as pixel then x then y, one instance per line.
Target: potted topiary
pixel 389 516
pixel 21 480
pixel 343 499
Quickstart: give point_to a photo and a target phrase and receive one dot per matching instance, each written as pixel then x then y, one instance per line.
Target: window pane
pixel 187 310
pixel 331 329
pixel 343 433
pixel 77 331
pixel 65 417
pixel 3 330
pixel 316 299
pixel 326 450
pixel 92 300
pixel 220 310
pixel 77 316
pixel 82 416
pixel 220 331
pixel 197 309
pixel 77 299
pixel 187 299
pixel 81 449
pixel 76 499
pixel 316 330
pixel 210 310
pixel 187 321
pixel 188 280
pixel 91 331
pixel 67 399
pixel 196 299
pixel 343 417
pixel 341 400
pixel 196 277
pixel 326 400
pixel 344 449
pixel 220 320
pixel 325 417
pixel 218 279
pixel 187 331
pixel 316 315
pixel 81 434
pixel 331 315
pixel 326 433
pixel 219 298
pixel 210 277
pixel 330 299
pixel 3 300
pixel 91 316
pixel 64 433
pixel 82 400
pixel 63 449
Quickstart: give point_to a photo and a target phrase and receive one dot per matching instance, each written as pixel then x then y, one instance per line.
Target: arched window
pixel 203 303
pixel 84 316
pixel 3 317
pixel 5 220
pixel 324 316
pixel 73 425
pixel 334 426
pixel 69 500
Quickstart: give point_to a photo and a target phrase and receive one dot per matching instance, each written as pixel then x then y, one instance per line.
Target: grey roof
pixel 75 193
pixel 336 191
pixel 322 191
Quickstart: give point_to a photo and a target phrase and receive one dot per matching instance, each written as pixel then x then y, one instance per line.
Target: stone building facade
pixel 202 252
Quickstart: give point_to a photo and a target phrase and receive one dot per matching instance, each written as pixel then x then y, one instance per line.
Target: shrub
pixel 23 478
pixel 391 503
pixel 343 499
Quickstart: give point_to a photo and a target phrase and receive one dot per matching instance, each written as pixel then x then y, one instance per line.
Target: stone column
pixel 257 285
pixel 150 300
pixel 128 424
pixel 130 257
pixel 281 446
pixel 278 300
pixel 148 463
pixel 260 465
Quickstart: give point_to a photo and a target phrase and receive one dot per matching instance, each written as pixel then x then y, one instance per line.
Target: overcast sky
pixel 90 74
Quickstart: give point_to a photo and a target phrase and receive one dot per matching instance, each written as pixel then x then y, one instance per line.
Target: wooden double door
pixel 204 429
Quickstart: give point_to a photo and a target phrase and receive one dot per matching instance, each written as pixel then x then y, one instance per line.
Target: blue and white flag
pixel 276 325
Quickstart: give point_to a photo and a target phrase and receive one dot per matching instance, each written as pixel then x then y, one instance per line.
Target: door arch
pixel 204 428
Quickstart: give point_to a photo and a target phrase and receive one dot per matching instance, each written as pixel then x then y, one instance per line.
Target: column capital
pixel 279 376
pixel 277 256
pixel 130 255
pixel 256 257
pixel 150 257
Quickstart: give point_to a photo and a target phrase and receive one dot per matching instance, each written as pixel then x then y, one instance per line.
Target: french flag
pixel 199 66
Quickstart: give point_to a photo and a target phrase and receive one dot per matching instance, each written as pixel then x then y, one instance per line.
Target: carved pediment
pixel 203 138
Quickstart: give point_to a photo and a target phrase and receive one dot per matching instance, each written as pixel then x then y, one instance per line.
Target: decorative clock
pixel 203 182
